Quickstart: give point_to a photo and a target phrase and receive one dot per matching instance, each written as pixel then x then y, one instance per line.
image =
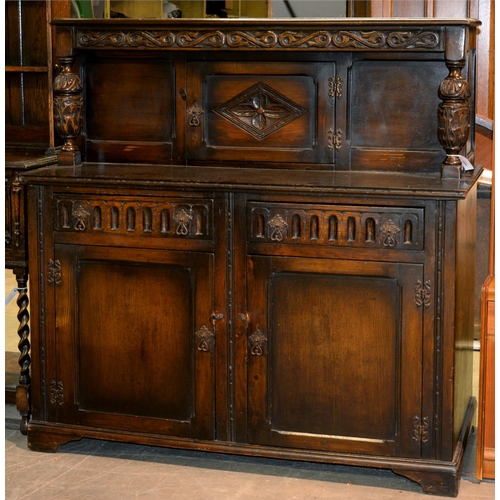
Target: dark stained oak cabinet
pixel 259 240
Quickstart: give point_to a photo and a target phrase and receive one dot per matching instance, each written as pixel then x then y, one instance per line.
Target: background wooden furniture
pixel 269 255
pixel 30 140
pixel 485 464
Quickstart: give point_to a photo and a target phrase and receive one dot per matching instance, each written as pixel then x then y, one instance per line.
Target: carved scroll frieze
pixel 205 339
pixel 161 218
pixel 260 110
pixel 423 294
pixel 257 342
pixel 68 110
pixel 338 225
pixel 411 39
pixel 304 39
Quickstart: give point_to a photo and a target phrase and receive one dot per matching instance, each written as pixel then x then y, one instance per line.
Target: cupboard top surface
pixel 249 179
pixel 323 34
pixel 352 21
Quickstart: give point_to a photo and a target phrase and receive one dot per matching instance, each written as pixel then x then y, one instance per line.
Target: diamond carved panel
pixel 260 110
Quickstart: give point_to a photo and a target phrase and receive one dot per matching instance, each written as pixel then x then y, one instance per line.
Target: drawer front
pixel 337 225
pixel 136 217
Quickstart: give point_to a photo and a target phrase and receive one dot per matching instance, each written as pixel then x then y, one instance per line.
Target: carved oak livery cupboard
pixel 260 240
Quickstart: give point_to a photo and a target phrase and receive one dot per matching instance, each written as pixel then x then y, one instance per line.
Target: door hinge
pixel 335 139
pixel 54 275
pixel 420 429
pixel 335 87
pixel 423 294
pixel 56 392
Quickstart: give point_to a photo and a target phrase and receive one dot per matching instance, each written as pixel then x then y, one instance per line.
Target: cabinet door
pixel 135 340
pixel 250 111
pixel 335 364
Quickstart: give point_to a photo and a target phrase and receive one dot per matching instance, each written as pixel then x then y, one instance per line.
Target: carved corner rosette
pixel 454 114
pixel 68 110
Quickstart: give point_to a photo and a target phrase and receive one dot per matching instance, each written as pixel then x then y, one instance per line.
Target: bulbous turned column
pixel 68 111
pixel 454 116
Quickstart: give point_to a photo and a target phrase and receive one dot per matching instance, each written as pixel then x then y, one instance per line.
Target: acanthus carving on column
pixel 68 111
pixel 454 115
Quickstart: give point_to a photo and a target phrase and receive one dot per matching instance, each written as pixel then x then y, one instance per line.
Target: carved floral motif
pixel 260 110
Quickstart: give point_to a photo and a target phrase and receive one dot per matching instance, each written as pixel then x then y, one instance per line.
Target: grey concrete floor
pixel 94 470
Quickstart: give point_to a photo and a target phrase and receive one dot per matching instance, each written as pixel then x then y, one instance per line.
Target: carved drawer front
pixel 337 225
pixel 164 218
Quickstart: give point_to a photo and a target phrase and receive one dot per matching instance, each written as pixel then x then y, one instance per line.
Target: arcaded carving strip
pixel 303 39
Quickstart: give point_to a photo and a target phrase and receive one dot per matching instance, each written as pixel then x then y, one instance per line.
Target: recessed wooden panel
pixel 134 342
pixel 335 352
pixel 260 111
pixel 130 111
pixel 402 136
pixel 34 33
